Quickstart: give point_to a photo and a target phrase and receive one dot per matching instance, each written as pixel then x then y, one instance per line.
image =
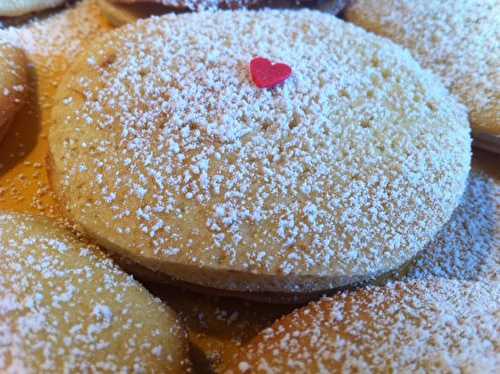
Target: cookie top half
pixel 458 40
pixel 65 307
pixel 165 151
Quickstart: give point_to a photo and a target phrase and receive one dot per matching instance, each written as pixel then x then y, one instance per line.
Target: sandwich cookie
pixel 434 326
pixel 297 153
pixel 65 307
pixel 13 84
pixel 458 40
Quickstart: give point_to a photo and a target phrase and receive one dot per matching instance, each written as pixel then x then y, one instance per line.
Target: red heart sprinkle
pixel 266 74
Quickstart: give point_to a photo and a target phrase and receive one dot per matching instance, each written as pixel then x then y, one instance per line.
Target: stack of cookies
pixel 174 189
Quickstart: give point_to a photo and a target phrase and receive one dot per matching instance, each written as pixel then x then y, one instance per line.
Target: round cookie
pixel 458 40
pixel 12 8
pixel 165 152
pixel 65 307
pixel 13 83
pixel 434 326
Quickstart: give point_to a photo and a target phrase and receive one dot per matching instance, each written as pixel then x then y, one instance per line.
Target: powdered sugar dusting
pixel 456 39
pixel 468 247
pixel 333 173
pixel 424 323
pixel 439 325
pixel 64 307
pixel 9 69
pixel 58 38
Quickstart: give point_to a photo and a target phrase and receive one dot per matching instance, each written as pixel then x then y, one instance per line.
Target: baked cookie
pixel 165 151
pixel 435 326
pixel 458 40
pixel 12 8
pixel 13 83
pixel 64 307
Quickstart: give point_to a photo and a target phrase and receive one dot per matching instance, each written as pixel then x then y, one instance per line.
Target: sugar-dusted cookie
pixel 166 151
pixel 458 40
pixel 13 83
pixel 64 307
pixel 435 326
pixel 11 8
